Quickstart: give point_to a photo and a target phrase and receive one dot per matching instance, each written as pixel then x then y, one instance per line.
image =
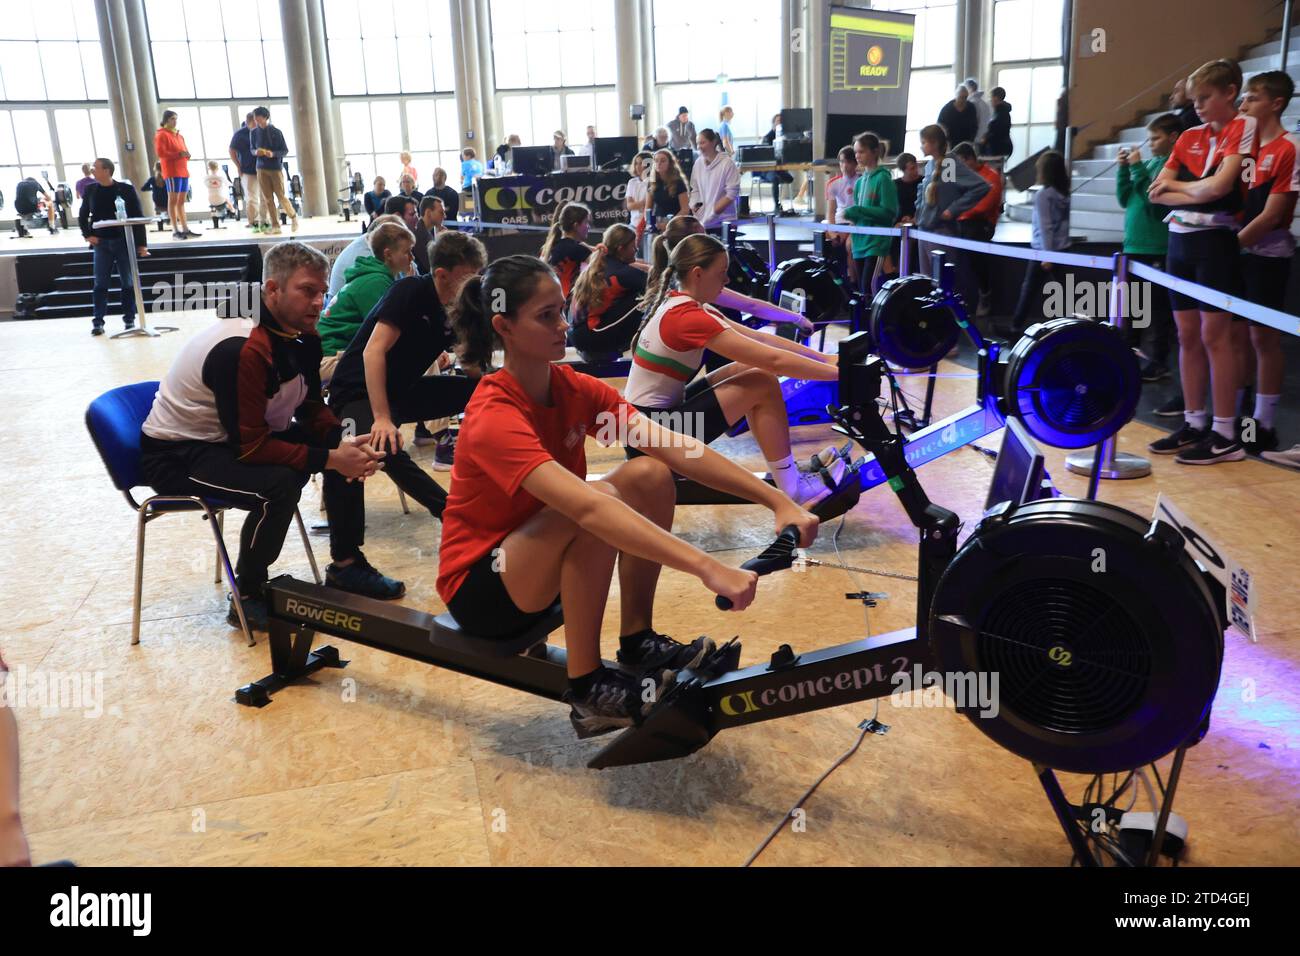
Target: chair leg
pixel 139 576
pixel 306 543
pixel 401 496
pixel 230 576
pixel 221 533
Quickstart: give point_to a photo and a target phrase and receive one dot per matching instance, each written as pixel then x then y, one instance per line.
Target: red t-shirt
pixel 1198 154
pixel 1275 173
pixel 503 438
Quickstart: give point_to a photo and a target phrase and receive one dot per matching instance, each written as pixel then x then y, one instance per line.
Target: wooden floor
pixel 392 762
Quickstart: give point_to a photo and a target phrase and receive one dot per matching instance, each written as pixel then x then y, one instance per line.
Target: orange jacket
pixel 169 146
pixel 990 207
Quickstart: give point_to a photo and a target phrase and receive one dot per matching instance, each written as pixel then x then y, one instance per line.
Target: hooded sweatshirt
pixel 367 281
pixel 875 203
pixel 959 189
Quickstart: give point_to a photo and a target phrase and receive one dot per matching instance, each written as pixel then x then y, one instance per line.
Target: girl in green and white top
pixel 875 203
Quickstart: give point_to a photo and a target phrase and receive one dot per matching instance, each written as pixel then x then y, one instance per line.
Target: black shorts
pixel 1210 258
pixel 482 605
pixel 699 414
pixel 1265 279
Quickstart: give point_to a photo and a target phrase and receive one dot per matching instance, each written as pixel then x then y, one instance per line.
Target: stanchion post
pixel 819 243
pixel 771 244
pixel 1104 461
pixel 905 251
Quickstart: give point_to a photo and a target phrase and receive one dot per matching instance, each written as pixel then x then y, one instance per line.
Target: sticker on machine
pixel 1238 584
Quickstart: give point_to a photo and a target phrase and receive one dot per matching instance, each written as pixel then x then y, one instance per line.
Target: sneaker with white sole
pixel 613 701
pixel 651 651
pixel 814 486
pixel 1290 457
pixel 1185 437
pixel 1213 449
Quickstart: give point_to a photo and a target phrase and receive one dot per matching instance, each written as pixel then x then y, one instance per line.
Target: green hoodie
pixel 875 203
pixel 1145 230
pixel 367 280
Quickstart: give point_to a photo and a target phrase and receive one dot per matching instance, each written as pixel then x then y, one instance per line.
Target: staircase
pixel 1095 214
pixel 175 274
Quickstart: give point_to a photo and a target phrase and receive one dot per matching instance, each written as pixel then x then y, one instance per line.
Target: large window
pixel 49 50
pixel 208 128
pixel 376 131
pixel 544 46
pixel 1027 64
pixel 934 51
pixel 28 149
pixel 216 49
pixel 694 69
pixel 389 46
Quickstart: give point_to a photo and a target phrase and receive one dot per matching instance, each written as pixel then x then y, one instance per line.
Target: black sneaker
pixel 1171 408
pixel 615 700
pixel 1213 449
pixel 255 613
pixel 1153 371
pixel 659 652
pixel 1265 440
pixel 444 453
pixel 97 329
pixel 1185 437
pixel 128 324
pixel 360 577
pixel 423 436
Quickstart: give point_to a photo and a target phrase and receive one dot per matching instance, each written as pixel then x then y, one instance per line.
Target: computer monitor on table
pixel 531 160
pixel 611 152
pixel 1020 475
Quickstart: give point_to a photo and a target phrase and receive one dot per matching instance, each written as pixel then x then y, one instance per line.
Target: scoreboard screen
pixel 870 60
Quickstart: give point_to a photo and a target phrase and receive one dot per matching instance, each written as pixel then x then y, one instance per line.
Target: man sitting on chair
pixel 240 418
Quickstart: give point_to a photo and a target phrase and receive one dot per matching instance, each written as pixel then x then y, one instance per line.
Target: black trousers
pixel 433 396
pixel 1157 340
pixel 269 493
pixel 978 279
pixel 1031 294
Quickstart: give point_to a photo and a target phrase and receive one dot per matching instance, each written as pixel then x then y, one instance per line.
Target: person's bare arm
pixel 14 850
pixel 762 354
pixel 789 345
pixel 613 522
pixel 759 308
pixel 375 358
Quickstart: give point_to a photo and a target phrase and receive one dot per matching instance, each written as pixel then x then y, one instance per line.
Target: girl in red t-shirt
pixel 565 248
pixel 522 524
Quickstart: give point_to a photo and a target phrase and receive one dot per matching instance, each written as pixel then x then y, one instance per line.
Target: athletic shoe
pixel 444 453
pixel 1290 457
pixel 423 436
pixel 360 577
pixel 827 455
pixel 1213 449
pixel 252 225
pixel 177 234
pixel 97 328
pixel 615 700
pixel 815 486
pixel 1265 440
pixel 255 613
pixel 276 231
pixel 1185 437
pixel 658 652
pixel 1171 408
pixel 128 324
pixel 1153 371
pixel 294 227
pixel 191 233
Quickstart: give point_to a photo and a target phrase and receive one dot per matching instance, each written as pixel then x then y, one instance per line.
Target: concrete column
pixel 473 119
pixel 142 59
pixel 627 80
pixel 488 131
pixel 329 142
pixel 135 162
pixel 459 55
pixel 110 80
pixel 971 40
pixel 787 51
pixel 302 106
pixel 818 37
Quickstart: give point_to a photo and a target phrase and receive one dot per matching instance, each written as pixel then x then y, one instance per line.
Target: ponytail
pixel 590 288
pixel 698 249
pixel 566 217
pixel 502 289
pixel 938 135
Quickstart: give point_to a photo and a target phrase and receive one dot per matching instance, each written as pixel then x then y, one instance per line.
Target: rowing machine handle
pixel 777 556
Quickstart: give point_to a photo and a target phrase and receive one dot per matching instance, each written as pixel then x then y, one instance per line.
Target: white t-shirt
pixel 216 189
pixel 841 190
pixel 636 191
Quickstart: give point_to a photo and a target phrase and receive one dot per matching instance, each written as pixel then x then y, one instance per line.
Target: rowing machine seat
pixel 448 634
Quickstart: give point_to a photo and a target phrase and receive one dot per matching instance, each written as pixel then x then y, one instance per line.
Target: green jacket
pixel 875 203
pixel 367 280
pixel 1145 231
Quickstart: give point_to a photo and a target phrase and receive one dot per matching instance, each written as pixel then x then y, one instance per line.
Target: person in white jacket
pixel 715 182
pixel 983 108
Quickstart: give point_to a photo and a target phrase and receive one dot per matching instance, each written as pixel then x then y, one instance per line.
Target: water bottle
pixel 119 204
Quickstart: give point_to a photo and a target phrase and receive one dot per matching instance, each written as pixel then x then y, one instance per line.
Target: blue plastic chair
pixel 114 420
